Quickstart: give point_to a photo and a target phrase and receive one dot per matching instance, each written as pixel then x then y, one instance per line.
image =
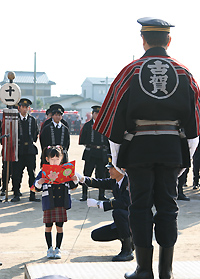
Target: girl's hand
pixel 75 180
pixel 41 180
pixel 80 177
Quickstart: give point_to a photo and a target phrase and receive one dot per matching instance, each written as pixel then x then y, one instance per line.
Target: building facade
pixel 25 80
pixel 96 88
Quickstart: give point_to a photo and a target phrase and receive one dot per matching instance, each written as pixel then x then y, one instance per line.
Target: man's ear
pixel 145 45
pixel 170 38
pixel 144 41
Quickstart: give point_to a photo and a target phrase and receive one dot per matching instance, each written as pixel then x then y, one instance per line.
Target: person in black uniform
pixel 196 167
pixel 48 116
pixel 95 153
pixel 77 125
pixel 146 107
pixel 27 135
pixel 49 119
pixel 56 133
pixel 69 121
pixel 119 229
pixel 181 182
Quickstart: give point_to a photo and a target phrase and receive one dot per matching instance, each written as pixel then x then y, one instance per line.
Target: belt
pixel 159 127
pixel 141 122
pixel 156 128
pixel 96 146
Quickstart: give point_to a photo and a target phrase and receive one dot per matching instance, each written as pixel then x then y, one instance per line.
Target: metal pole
pixel 106 85
pixel 35 81
pixel 8 162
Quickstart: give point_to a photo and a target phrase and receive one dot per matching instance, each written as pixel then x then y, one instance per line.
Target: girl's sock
pixel 59 238
pixel 48 238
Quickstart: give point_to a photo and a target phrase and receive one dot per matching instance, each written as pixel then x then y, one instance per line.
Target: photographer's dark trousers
pixel 26 160
pixel 117 230
pixel 155 184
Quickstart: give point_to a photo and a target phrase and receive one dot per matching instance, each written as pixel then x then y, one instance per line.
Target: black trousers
pixel 25 160
pixel 196 166
pixel 153 185
pixel 117 230
pixel 100 171
pixel 98 165
pixel 4 173
pixel 182 180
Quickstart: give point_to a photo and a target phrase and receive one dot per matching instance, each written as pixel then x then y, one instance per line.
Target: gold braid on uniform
pixel 155 28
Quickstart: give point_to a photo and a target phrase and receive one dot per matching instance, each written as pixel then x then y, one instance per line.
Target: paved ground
pixel 22 231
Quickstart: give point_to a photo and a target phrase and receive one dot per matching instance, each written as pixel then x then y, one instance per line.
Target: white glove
pixel 94 203
pixel 181 172
pixel 193 143
pixel 91 203
pixel 114 148
pixel 80 177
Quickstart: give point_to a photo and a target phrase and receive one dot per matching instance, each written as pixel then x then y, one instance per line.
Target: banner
pixel 10 127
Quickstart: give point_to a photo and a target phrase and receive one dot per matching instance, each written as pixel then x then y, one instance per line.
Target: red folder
pixel 58 174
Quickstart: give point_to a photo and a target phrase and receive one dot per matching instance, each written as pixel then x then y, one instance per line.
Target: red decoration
pixel 58 174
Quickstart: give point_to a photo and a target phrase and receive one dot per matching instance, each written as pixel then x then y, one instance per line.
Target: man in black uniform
pixel 56 133
pixel 69 122
pixel 95 153
pixel 49 118
pixel 182 180
pixel 77 125
pixel 196 167
pixel 27 135
pixel 147 104
pixel 118 183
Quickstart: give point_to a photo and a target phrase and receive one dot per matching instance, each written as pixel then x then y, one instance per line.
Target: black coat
pixel 27 134
pixel 121 195
pixel 49 120
pixel 154 87
pixel 50 136
pixel 91 139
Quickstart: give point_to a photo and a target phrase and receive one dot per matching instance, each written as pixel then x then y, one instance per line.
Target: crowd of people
pixel 54 137
pixel 149 122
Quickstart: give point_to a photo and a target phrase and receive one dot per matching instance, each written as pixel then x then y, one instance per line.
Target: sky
pixel 77 39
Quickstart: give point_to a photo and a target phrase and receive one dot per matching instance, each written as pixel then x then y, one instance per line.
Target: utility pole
pixel 34 102
pixel 106 85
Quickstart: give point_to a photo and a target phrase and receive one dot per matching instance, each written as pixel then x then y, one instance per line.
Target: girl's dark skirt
pixel 58 214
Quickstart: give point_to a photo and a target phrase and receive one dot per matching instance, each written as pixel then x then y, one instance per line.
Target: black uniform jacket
pixel 49 120
pixel 121 195
pixel 97 145
pixel 50 137
pixel 154 87
pixel 27 135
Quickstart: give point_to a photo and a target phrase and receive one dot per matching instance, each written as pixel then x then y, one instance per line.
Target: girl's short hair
pixel 52 151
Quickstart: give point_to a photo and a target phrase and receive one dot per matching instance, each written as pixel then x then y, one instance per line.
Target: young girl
pixel 55 201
